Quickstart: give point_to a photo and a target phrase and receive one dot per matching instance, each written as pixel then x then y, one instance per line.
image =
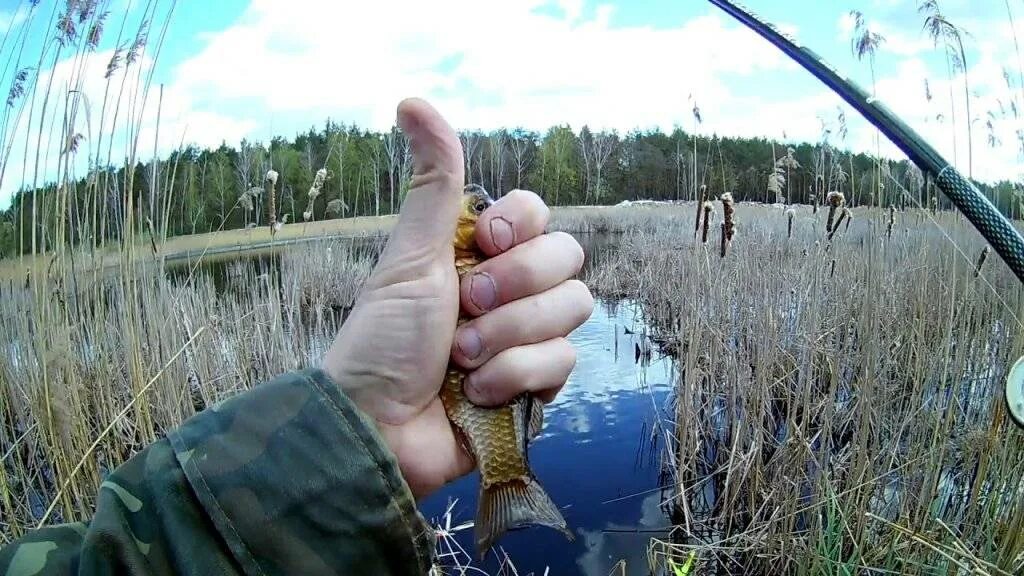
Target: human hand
pixel 391 354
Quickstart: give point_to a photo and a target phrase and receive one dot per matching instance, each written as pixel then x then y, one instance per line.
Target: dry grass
pixel 840 403
pixel 94 367
pixel 840 399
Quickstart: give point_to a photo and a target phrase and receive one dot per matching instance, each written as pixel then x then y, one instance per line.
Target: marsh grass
pixel 840 405
pixel 132 359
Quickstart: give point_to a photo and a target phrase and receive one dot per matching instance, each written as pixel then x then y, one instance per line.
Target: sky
pixel 255 69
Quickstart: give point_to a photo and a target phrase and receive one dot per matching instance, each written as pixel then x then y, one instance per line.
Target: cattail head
pixel 981 261
pixel 790 213
pixel 709 212
pixel 728 225
pixel 834 200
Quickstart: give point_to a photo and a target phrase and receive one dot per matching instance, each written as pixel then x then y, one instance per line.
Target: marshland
pixel 795 365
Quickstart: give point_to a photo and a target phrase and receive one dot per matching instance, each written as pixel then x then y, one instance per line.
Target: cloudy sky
pixel 234 69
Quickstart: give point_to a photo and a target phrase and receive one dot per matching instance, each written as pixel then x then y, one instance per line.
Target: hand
pixel 391 354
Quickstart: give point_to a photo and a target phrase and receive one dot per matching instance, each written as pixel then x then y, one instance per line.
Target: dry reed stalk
pixel 981 261
pixel 849 217
pixel 934 204
pixel 700 208
pixel 709 212
pixel 314 191
pixel 271 184
pixel 835 201
pixel 892 222
pixel 838 223
pixel 728 225
pixel 790 213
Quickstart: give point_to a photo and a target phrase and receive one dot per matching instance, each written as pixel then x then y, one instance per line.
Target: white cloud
pixel 512 64
pixel 285 65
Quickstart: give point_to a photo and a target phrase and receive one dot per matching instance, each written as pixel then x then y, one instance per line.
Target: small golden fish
pixel 510 496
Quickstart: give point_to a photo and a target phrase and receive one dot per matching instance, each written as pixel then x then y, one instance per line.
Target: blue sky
pixel 254 69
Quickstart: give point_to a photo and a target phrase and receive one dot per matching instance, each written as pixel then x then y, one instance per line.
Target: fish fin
pixel 536 422
pixel 514 504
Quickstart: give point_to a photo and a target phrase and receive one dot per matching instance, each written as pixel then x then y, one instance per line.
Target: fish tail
pixel 514 504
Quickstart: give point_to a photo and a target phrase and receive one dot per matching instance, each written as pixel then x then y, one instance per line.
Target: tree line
pixel 340 171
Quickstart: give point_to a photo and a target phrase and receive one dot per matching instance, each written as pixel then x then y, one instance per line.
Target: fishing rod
pixel 992 225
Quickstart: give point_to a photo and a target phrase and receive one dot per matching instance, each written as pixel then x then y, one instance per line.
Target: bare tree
pixel 250 168
pixel 521 154
pixel 585 140
pixel 393 151
pixel 603 146
pixel 377 163
pixel 470 143
pixel 496 144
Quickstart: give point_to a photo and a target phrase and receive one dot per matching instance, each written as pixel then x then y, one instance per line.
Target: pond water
pixel 599 457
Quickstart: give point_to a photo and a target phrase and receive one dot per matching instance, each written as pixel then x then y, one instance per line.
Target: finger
pixel 426 223
pixel 515 218
pixel 541 369
pixel 529 268
pixel 550 314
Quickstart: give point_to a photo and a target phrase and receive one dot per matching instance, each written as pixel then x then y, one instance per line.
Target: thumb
pixel 430 210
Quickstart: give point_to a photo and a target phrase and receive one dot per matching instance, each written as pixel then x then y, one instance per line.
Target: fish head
pixel 473 203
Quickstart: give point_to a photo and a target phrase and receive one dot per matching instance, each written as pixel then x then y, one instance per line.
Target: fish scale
pixel 510 496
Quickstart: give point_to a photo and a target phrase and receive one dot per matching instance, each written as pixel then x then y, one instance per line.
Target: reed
pixel 835 414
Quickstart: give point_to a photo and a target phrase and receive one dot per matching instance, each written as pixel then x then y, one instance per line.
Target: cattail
pixel 832 272
pixel 835 227
pixel 271 183
pixel 789 222
pixel 314 191
pixel 981 261
pixel 934 203
pixel 849 217
pixel 835 201
pixel 892 221
pixel 709 211
pixel 700 208
pixel 728 226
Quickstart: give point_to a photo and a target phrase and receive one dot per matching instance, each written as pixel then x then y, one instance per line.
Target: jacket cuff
pixel 297 480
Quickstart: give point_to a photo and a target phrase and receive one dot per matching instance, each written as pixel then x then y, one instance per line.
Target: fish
pixel 510 496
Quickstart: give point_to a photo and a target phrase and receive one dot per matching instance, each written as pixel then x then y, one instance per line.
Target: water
pixel 599 458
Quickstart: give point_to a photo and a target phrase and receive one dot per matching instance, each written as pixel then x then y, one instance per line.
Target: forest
pixel 341 170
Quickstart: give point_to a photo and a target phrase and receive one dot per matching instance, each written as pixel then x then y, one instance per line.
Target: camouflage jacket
pixel 288 478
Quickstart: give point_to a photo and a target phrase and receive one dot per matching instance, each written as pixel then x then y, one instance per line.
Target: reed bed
pixel 839 408
pixel 96 366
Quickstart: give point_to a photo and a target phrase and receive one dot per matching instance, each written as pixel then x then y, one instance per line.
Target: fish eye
pixel 479 207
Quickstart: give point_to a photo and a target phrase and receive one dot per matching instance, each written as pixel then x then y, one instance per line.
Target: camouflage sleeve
pixel 288 478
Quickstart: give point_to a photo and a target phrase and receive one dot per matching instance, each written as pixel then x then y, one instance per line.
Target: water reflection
pixel 599 457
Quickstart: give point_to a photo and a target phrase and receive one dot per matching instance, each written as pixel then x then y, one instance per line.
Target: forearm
pixel 289 478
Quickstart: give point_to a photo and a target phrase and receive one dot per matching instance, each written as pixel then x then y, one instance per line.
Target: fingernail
pixel 473 391
pixel 482 291
pixel 502 234
pixel 469 343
